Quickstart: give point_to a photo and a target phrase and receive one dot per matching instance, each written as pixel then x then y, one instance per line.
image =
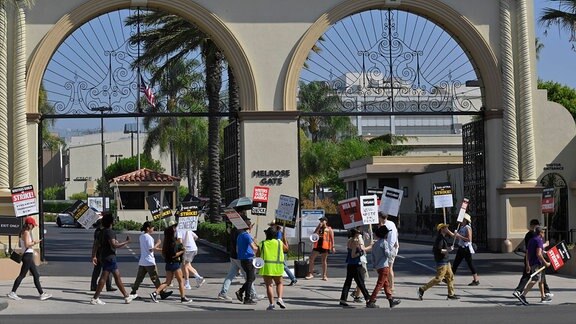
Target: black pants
pixel 28 265
pixel 526 277
pixel 96 274
pixel 463 253
pixel 353 272
pixel 248 268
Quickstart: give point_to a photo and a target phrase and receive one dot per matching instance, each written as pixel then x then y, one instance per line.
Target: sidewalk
pixel 71 297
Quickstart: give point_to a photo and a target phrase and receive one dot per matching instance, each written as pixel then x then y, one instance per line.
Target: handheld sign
pixel 235 218
pixel 442 195
pixel 548 200
pixel 391 199
pixel 188 216
pixel 369 209
pixel 287 211
pixel 350 213
pixel 309 219
pixel 83 214
pixel 558 255
pixel 260 200
pixel 159 207
pixel 462 211
pixel 24 201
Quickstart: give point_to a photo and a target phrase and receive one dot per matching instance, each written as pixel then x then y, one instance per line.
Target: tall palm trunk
pixel 214 59
pixel 233 94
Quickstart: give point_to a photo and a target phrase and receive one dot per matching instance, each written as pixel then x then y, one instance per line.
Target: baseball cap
pixel 30 221
pixel 539 229
pixel 441 226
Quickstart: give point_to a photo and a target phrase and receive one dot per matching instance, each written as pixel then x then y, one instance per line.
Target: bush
pixel 54 193
pixel 79 196
pixel 126 225
pixel 213 232
pixel 51 218
pixel 56 206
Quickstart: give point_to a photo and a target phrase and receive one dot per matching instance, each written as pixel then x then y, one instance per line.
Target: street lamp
pixel 102 110
pixel 116 156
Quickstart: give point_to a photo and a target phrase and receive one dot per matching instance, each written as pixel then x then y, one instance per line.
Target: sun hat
pixel 468 217
pixel 441 226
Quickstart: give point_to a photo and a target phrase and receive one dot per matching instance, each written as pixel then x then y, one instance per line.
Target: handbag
pixel 16 257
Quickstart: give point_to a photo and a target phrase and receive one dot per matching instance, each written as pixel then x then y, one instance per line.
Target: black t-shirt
pixel 441 243
pixel 530 235
pixel 172 258
pixel 107 251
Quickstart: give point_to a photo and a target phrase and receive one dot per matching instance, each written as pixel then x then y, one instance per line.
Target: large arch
pixel 191 11
pixel 473 42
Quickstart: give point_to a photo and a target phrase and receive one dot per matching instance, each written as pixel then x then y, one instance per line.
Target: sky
pixel 557 59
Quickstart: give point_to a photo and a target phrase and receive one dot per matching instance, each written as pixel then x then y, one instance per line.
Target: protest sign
pixel 442 195
pixel 548 200
pixel 462 211
pixel 558 255
pixel 83 214
pixel 369 209
pixel 287 211
pixel 350 213
pixel 188 216
pixel 24 201
pixel 235 218
pixel 260 200
pixel 159 206
pixel 309 219
pixel 390 202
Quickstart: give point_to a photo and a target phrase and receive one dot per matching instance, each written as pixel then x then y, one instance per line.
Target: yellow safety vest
pixel 273 255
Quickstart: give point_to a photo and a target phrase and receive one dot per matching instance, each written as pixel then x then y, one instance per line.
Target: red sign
pixel 558 255
pixel 350 213
pixel 548 200
pixel 260 200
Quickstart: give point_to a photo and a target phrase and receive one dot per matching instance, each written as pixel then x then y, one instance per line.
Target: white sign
pixel 309 219
pixel 391 199
pixel 462 211
pixel 369 209
pixel 188 223
pixel 286 209
pixel 88 218
pixel 235 219
pixel 96 203
pixel 24 201
pixel 442 195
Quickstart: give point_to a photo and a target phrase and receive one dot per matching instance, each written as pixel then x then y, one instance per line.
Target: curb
pixel 3 305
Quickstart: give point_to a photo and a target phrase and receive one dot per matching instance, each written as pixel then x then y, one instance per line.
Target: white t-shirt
pixel 146 256
pixel 189 240
pixel 392 235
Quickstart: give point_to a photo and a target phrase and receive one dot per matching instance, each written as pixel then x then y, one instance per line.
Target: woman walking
pixel 464 241
pixel 381 256
pixel 172 252
pixel 272 251
pixel 27 243
pixel 355 250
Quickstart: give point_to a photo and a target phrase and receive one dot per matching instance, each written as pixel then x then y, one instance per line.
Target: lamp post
pixel 102 110
pixel 116 156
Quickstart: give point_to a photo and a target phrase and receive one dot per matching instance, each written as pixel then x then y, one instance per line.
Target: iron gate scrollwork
pixel 231 166
pixel 474 159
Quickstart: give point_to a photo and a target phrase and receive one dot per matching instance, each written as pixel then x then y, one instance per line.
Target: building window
pixel 132 199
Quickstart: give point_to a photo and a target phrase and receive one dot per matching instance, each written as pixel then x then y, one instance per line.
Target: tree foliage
pixel 562 94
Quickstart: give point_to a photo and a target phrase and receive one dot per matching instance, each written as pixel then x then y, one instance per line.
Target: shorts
pixel 172 267
pixel 393 254
pixel 320 250
pixel 533 269
pixel 109 265
pixel 189 256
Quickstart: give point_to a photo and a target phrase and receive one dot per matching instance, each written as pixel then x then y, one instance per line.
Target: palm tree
pixel 564 17
pixel 49 141
pixel 168 38
pixel 539 47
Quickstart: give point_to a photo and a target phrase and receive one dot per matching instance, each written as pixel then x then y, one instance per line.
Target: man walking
pixel 98 266
pixel 392 240
pixel 441 250
pixel 535 256
pixel 247 249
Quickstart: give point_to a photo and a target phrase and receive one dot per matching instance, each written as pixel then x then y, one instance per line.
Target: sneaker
pixel 200 282
pixel 549 294
pixel 154 297
pixel 519 296
pixel 420 294
pixel 280 303
pixel 97 301
pixel 523 300
pixel 372 304
pixel 308 277
pixel 453 297
pixel 187 285
pixel 271 307
pixel 293 282
pixel 250 302
pixel 185 300
pixel 358 300
pixel 474 283
pixel 343 303
pixel 258 297
pixel 165 294
pixel 222 296
pixel 130 298
pixel 12 295
pixel 239 296
pixel 109 289
pixel 45 296
pixel 546 300
pixel 394 302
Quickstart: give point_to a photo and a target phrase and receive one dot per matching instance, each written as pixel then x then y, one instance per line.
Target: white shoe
pixel 200 282
pixel 12 295
pixel 130 298
pixel 45 296
pixel 187 285
pixel 549 295
pixel 97 301
pixel 224 297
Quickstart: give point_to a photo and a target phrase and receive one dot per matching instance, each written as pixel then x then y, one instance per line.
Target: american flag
pixel 147 91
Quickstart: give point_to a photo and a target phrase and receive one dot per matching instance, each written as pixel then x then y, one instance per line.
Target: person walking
pixel 393 242
pixel 189 241
pixel 363 269
pixel 381 255
pixel 147 261
pixel 322 247
pixel 354 251
pixel 246 249
pixel 518 292
pixel 27 243
pixel 536 261
pixel 107 245
pixel 272 252
pixel 172 251
pixel 98 267
pixel 441 251
pixel 282 236
pixel 463 239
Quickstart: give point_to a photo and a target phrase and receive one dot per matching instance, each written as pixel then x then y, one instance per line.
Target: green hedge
pixel 56 206
pixel 213 232
pixel 126 225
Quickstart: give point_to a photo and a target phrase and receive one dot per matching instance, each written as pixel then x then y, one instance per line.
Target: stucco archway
pixel 206 20
pixel 479 51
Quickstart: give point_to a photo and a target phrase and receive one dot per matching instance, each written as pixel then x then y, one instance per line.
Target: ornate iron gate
pixel 474 159
pixel 231 167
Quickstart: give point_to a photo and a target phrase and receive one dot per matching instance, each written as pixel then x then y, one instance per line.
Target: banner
pixel 548 200
pixel 462 211
pixel 159 207
pixel 442 195
pixel 558 255
pixel 309 219
pixel 350 213
pixel 188 216
pixel 260 200
pixel 390 202
pixel 24 201
pixel 287 211
pixel 369 209
pixel 235 218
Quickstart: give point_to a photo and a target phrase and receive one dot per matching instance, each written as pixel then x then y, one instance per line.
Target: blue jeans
pixel 234 267
pixel 287 270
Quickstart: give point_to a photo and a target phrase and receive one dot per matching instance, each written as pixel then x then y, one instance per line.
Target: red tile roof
pixel 145 175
